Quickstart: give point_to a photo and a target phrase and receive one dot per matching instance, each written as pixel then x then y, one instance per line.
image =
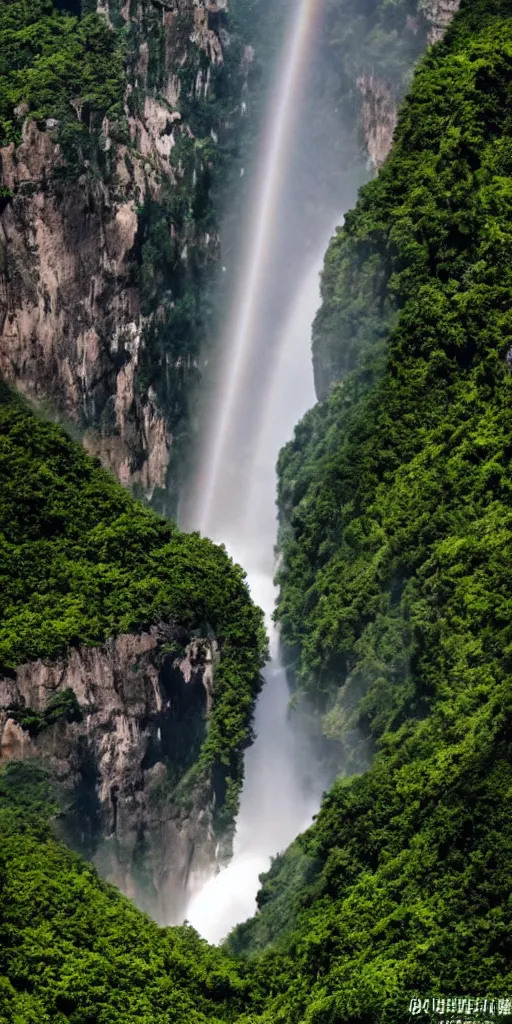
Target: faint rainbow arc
pixel 280 117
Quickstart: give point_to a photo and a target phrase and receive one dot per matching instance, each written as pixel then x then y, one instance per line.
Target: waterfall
pixel 282 790
pixel 262 391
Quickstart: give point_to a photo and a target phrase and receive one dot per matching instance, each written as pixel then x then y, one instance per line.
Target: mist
pixel 258 390
pixel 282 788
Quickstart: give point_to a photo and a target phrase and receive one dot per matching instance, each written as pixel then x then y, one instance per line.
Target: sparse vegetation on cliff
pixel 63 706
pixel 144 102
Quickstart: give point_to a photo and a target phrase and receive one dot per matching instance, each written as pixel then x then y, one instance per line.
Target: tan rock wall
pixel 119 768
pixel 71 328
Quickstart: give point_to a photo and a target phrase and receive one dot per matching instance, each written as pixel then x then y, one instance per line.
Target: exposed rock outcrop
pixel 144 701
pixel 380 97
pixel 439 14
pixel 379 116
pixel 75 323
pixel 70 316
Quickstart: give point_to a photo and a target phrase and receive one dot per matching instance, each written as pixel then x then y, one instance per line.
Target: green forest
pixel 396 537
pixel 395 609
pixel 56 65
pixel 72 949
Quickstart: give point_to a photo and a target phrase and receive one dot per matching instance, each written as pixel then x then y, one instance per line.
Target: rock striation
pixel 121 770
pixel 379 115
pixel 439 14
pixel 70 316
pixel 381 94
pixel 89 324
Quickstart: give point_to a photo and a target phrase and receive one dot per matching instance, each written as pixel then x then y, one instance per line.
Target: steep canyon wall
pixel 109 260
pixel 109 247
pixel 140 709
pixel 108 251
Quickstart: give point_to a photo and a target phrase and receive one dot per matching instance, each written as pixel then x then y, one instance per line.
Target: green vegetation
pixel 64 66
pixel 395 480
pixel 82 561
pixel 58 66
pixel 74 951
pixel 62 707
pixel 395 604
pixel 396 532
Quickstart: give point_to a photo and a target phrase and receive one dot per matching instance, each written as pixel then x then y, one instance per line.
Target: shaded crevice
pixel 114 790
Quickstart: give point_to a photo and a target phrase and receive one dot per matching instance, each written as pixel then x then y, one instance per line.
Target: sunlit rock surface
pixel 143 716
pixel 77 330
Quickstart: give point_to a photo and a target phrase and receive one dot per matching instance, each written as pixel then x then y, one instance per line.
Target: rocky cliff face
pixel 379 114
pixel 143 712
pixel 103 267
pixel 439 14
pixel 381 90
pixel 71 318
pixel 107 268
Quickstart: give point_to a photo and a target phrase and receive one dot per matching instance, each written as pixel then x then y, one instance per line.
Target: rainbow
pixel 270 174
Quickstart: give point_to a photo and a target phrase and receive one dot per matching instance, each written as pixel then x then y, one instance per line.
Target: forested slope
pixel 73 949
pixel 82 560
pixel 399 477
pixel 395 603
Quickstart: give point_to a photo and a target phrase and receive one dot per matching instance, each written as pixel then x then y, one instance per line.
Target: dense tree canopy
pixel 72 949
pixel 57 66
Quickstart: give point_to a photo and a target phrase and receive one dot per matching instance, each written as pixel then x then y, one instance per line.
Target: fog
pixel 261 386
pixel 282 789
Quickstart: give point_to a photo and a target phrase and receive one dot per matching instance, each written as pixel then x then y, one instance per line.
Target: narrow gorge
pixel 255 511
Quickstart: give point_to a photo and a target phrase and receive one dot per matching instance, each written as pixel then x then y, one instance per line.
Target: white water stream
pixel 280 793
